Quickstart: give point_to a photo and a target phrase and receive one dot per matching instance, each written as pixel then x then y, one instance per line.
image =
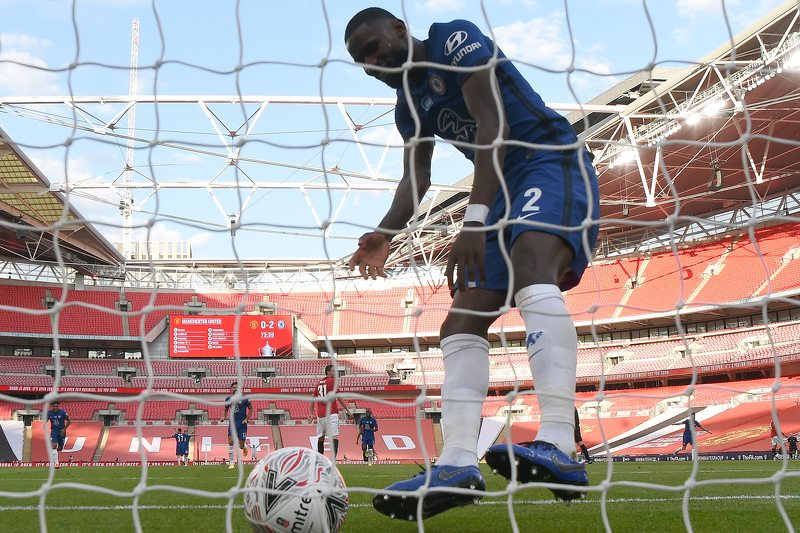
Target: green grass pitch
pixel 744 503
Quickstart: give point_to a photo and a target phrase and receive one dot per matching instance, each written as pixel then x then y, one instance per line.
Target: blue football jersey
pixel 443 112
pixel 181 438
pixel 239 410
pixel 57 420
pixel 368 425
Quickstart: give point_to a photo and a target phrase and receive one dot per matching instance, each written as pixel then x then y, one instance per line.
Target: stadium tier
pixel 727 270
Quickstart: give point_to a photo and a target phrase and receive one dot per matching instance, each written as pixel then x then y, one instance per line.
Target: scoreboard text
pixel 217 336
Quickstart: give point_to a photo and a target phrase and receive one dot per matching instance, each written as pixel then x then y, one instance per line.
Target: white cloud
pixel 22 79
pixel 694 8
pixel 24 42
pixel 439 6
pixel 540 41
pixel 380 136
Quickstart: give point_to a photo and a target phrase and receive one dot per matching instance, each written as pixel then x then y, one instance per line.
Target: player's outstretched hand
pixel 466 259
pixel 373 250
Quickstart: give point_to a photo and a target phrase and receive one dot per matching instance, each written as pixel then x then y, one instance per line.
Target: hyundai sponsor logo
pixel 455 40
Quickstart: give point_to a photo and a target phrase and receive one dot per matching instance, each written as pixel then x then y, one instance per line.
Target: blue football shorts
pixel 548 189
pixel 56 438
pixel 241 432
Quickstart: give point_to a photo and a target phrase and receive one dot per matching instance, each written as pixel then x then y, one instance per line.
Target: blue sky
pixel 293 48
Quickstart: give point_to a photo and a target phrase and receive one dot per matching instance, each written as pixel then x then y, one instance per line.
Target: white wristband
pixel 476 213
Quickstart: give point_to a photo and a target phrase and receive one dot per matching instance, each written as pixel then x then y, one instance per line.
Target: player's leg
pixel 333 434
pixel 243 441
pixel 465 351
pixel 231 460
pixel 539 259
pixel 584 451
pixel 54 450
pixel 322 429
pixel 364 451
pixel 553 188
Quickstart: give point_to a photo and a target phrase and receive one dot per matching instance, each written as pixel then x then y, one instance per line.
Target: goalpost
pixel 688 151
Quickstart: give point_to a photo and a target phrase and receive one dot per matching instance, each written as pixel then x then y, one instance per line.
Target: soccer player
pixel 367 427
pixel 182 446
pixel 242 411
pixel 327 423
pixel 777 440
pixel 579 438
pixel 59 422
pixel 792 443
pixel 688 438
pixel 553 203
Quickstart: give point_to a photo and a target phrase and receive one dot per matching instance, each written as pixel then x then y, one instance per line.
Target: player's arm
pixel 67 422
pixel 360 428
pixel 468 250
pixel 373 248
pixel 249 414
pixel 225 413
pixel 311 412
pixel 344 405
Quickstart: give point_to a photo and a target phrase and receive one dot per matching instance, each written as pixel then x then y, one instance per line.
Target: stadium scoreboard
pixel 217 336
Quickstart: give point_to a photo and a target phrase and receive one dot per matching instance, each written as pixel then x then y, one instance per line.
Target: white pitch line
pixel 358 505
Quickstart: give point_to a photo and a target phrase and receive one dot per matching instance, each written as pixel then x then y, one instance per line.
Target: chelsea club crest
pixel 437 84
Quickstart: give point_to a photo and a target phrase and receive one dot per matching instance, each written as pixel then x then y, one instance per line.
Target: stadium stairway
pixel 438 439
pixel 276 437
pixel 101 446
pixel 27 445
pixel 640 277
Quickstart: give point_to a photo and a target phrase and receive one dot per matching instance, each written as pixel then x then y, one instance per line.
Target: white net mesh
pixel 227 187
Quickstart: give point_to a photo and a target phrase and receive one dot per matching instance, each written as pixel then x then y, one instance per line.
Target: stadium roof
pixel 699 149
pixel 704 147
pixel 31 214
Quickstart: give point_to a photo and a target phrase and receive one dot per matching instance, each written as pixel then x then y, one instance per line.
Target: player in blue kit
pixel 688 438
pixel 182 446
pixel 242 411
pixel 367 427
pixel 59 422
pixel 549 229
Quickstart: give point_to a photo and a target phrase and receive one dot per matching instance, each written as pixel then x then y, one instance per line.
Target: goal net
pixel 175 172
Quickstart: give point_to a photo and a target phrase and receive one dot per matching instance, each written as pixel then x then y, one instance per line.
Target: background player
pixel 327 423
pixel 688 438
pixel 59 422
pixel 367 427
pixel 182 446
pixel 556 187
pixel 791 442
pixel 242 411
pixel 776 439
pixel 579 438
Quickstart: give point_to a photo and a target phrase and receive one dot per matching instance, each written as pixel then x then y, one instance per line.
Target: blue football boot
pixel 542 462
pixel 438 498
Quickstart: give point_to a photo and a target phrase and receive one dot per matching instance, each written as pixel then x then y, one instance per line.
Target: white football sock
pixel 230 454
pixel 54 456
pixel 466 377
pixel 552 345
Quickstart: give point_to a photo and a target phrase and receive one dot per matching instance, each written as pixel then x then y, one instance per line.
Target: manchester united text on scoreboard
pixel 218 336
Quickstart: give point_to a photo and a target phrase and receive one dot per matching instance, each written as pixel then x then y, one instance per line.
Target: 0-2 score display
pixel 217 336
